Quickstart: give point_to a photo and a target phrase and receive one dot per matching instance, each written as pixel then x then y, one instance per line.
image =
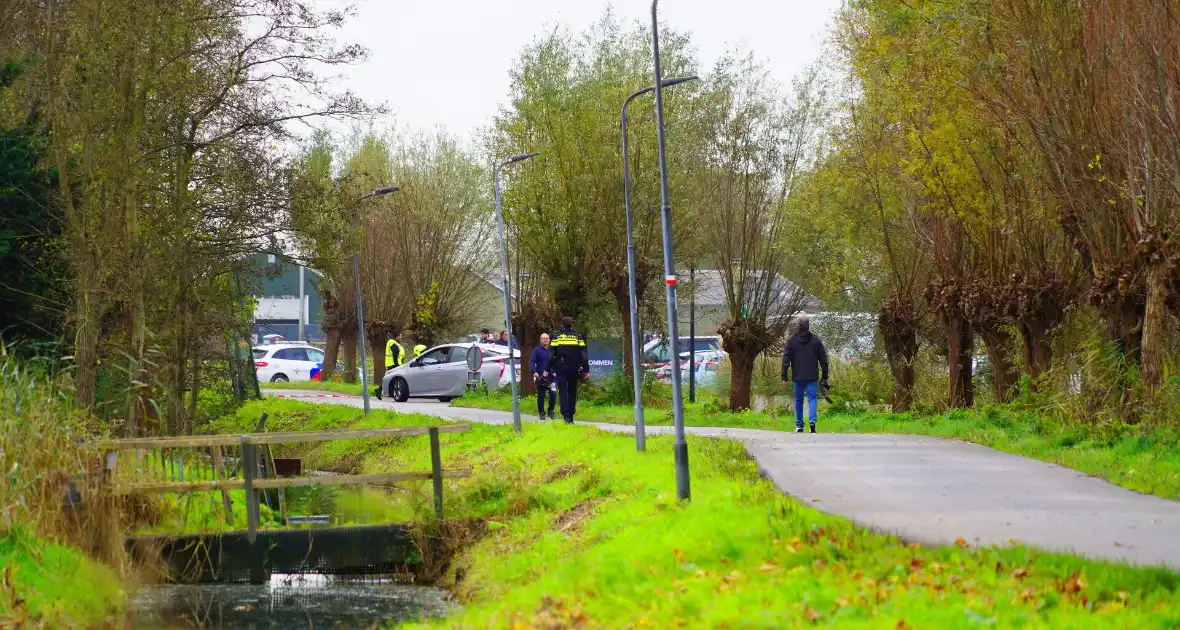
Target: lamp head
pixel 677 80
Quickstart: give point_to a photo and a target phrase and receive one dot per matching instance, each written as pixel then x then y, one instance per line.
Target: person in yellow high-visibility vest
pixel 419 349
pixel 395 352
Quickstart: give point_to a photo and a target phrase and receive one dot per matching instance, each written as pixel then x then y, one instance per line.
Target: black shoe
pixel 552 416
pixel 541 417
pixel 798 429
pixel 569 420
pixel 377 392
pixel 812 428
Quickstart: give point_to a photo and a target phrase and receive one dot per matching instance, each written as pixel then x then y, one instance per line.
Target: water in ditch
pixel 288 602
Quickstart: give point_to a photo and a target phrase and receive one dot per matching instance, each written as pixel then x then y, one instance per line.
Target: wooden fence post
pixel 436 472
pixel 249 472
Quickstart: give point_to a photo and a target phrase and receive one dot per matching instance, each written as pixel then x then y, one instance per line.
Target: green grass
pixel 55 586
pixel 585 532
pixel 1145 459
pixel 330 386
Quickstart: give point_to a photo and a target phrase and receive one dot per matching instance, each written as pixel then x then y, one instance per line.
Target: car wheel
pixel 398 390
pixel 279 378
pixel 444 399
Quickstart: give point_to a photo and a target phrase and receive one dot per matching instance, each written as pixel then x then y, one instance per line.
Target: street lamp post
pixel 504 283
pixel 360 313
pixel 679 445
pixel 640 431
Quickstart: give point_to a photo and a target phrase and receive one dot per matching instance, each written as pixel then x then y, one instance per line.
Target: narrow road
pixel 923 489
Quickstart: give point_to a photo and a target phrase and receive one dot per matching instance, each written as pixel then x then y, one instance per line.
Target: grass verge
pixel 48 585
pixel 330 386
pixel 1143 458
pixel 585 532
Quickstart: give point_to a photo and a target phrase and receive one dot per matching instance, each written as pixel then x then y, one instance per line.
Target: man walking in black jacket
pixel 806 357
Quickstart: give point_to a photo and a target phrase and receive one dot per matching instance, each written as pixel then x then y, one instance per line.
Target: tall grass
pixel 53 502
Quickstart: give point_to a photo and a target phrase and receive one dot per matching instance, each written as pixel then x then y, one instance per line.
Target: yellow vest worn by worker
pixel 395 354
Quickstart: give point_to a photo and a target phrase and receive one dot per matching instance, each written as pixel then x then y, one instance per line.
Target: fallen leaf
pixel 1028 594
pixel 961 542
pixel 767 567
pixel 1021 572
pixel 816 501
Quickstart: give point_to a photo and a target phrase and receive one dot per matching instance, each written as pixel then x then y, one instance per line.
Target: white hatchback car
pixel 283 362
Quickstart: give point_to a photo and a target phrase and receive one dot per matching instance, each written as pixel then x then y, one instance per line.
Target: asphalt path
pixel 923 489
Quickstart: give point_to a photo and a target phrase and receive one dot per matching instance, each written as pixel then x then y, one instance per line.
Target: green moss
pixel 58 586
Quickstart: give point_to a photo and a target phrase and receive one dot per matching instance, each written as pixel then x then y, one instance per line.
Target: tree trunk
pixel 87 311
pixel 1154 319
pixel 377 341
pixel 138 395
pixel 348 343
pixel 195 397
pixel 527 334
pixel 958 360
pixel 331 354
pixel 741 373
pixel 901 348
pixel 1005 374
pixel 622 297
pixel 1038 351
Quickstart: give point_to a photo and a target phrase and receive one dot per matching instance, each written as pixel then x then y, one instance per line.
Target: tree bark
pixel 958 359
pixel 1154 320
pixel 87 312
pixel 1005 375
pixel 1038 349
pixel 348 345
pixel 331 354
pixel 194 399
pixel 377 341
pixel 901 349
pixel 741 373
pixel 527 334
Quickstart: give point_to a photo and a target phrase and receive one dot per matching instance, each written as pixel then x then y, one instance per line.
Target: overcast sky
pixel 446 62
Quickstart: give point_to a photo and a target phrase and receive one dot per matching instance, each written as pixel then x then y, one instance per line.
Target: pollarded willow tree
pixel 565 209
pixel 423 249
pixel 760 145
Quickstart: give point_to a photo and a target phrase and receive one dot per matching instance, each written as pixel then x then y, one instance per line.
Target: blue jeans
pixel 810 389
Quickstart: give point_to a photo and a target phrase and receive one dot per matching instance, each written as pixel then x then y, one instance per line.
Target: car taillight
pixel 260 364
pixel 501 369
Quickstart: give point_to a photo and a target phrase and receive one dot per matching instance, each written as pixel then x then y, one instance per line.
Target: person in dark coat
pixel 807 359
pixel 539 366
pixel 569 361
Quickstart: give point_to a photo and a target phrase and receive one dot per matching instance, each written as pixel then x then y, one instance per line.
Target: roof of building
pixel 710 289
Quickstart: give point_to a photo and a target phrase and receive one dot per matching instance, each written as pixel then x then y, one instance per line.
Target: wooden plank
pixel 349 434
pixel 290 482
pixel 285 437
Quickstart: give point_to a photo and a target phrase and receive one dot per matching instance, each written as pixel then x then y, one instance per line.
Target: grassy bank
pixel 1144 458
pixel 585 532
pixel 46 580
pixel 54 586
pixel 339 387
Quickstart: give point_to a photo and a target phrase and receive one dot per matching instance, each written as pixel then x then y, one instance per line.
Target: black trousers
pixel 543 391
pixel 567 386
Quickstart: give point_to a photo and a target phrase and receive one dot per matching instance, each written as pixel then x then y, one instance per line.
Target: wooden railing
pixel 160 465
